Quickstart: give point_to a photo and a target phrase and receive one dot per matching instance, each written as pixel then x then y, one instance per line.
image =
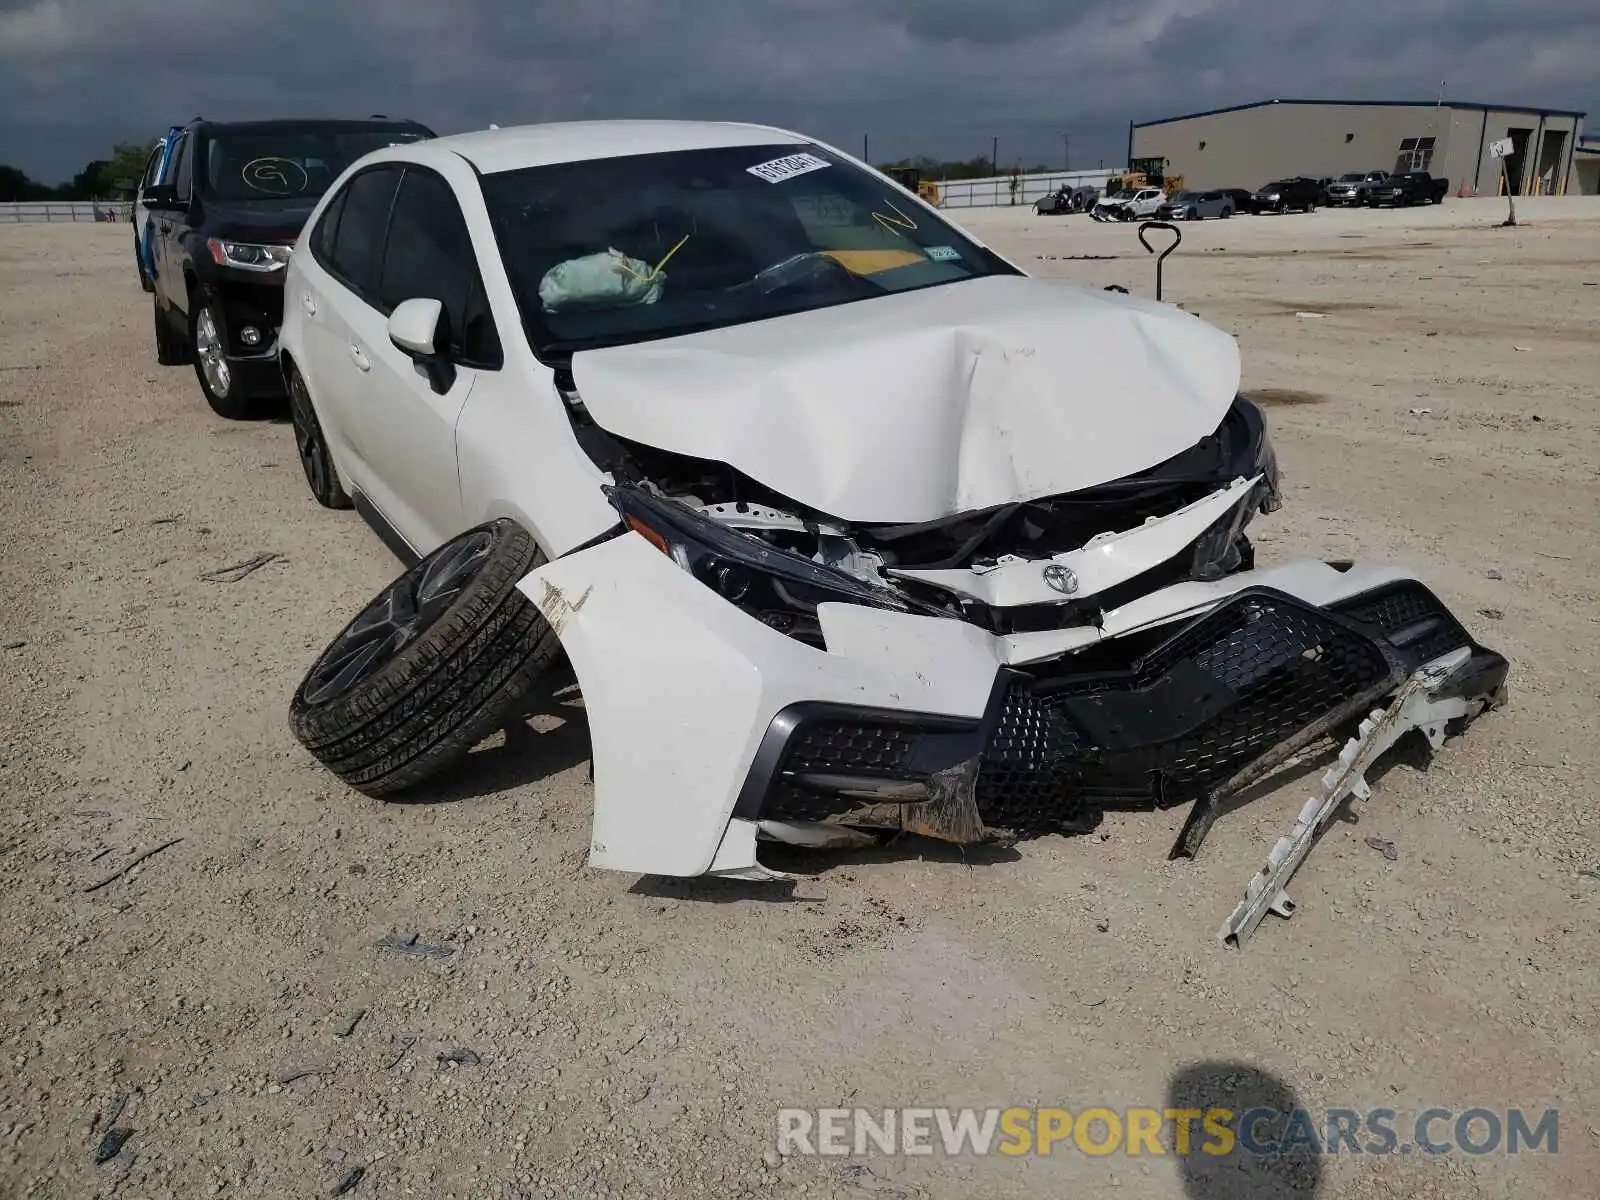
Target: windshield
pixel 291 164
pixel 1185 196
pixel 617 250
pixel 1351 178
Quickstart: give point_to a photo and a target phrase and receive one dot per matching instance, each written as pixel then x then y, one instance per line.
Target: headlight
pixel 757 576
pixel 248 256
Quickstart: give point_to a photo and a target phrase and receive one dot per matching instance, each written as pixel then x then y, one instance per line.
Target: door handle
pixel 166 227
pixel 307 303
pixel 362 362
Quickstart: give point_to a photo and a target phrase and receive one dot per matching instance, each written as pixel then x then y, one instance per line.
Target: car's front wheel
pixel 208 336
pixel 312 446
pixel 430 667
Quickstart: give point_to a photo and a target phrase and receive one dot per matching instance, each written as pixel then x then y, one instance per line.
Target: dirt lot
pixel 1433 385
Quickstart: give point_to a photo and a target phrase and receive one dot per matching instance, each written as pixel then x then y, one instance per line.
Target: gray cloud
pixel 940 76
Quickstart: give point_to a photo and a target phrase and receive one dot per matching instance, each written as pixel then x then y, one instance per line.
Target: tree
pixel 89 183
pixel 15 185
pixel 127 164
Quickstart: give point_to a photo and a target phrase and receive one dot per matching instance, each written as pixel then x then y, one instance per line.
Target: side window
pixel 429 253
pixel 183 177
pixel 327 227
pixel 358 238
pixel 150 168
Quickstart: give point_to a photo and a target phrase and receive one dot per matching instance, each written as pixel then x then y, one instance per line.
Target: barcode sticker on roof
pixel 787 167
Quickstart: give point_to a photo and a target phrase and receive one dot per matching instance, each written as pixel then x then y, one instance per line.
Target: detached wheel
pixel 208 334
pixel 430 667
pixel 312 447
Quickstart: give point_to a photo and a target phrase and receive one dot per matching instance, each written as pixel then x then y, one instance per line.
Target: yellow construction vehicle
pixel 911 179
pixel 1150 172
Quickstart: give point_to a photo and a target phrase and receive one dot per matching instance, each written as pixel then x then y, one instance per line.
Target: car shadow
pixel 548 734
pixel 904 847
pixel 1272 1153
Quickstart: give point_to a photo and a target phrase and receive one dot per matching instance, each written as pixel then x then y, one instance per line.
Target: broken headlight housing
pixel 1252 454
pixel 1222 549
pixel 779 587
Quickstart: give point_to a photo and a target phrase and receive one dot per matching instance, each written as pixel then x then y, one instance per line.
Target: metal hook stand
pixel 1177 236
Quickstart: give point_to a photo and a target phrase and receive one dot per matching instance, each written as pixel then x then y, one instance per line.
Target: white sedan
pixel 843 521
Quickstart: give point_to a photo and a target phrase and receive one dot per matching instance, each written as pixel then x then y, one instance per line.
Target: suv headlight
pixel 249 256
pixel 745 570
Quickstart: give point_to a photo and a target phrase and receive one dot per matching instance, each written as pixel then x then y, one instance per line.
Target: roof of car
pixel 290 124
pixel 517 146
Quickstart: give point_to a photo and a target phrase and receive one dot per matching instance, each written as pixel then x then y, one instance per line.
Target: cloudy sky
pixel 930 76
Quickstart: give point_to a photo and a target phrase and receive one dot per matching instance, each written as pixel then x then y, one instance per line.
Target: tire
pixel 209 347
pixel 170 352
pixel 322 476
pixel 411 709
pixel 146 284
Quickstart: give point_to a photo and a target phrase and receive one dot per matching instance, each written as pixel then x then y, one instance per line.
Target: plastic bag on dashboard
pixel 609 279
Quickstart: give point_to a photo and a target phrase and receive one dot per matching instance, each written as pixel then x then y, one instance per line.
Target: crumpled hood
pixel 912 407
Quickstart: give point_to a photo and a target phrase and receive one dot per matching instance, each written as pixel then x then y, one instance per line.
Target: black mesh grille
pixel 1411 617
pixel 791 802
pixel 849 748
pixel 1193 712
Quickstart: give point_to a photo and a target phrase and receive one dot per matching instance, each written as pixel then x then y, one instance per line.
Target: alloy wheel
pixel 400 614
pixel 308 437
pixel 213 355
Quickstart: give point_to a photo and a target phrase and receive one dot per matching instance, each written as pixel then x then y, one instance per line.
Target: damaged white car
pixel 843 521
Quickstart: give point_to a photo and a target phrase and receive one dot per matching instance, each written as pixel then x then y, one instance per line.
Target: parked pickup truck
pixel 1413 187
pixel 1354 187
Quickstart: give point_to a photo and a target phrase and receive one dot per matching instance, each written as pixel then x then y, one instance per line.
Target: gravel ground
pixel 1432 381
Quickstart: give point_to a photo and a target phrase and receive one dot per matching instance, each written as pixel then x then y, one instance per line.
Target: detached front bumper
pixel 709 728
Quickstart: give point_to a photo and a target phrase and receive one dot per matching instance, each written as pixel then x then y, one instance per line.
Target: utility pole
pixel 1066 152
pixel 994 157
pixel 866 155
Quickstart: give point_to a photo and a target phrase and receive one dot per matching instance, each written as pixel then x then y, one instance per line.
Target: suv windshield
pixel 616 250
pixel 1351 178
pixel 296 163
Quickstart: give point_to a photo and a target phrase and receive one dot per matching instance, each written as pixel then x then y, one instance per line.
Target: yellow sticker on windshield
pixel 870 262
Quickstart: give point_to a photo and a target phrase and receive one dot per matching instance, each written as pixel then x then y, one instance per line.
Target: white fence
pixel 18 212
pixel 987 193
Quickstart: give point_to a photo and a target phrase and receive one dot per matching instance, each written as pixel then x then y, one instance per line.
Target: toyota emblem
pixel 1062 579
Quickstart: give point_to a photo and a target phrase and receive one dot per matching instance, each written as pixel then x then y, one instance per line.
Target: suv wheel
pixel 170 352
pixel 430 667
pixel 208 335
pixel 312 447
pixel 145 282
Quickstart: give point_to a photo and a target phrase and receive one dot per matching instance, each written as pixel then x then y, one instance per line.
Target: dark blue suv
pixel 225 222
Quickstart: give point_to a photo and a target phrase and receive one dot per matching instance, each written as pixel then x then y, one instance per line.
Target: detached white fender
pixel 680 686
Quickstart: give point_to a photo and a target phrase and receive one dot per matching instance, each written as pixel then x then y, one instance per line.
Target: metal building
pixel 1252 144
pixel 1586 169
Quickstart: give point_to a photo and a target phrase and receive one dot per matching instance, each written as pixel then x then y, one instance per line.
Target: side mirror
pixel 414 328
pixel 161 195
